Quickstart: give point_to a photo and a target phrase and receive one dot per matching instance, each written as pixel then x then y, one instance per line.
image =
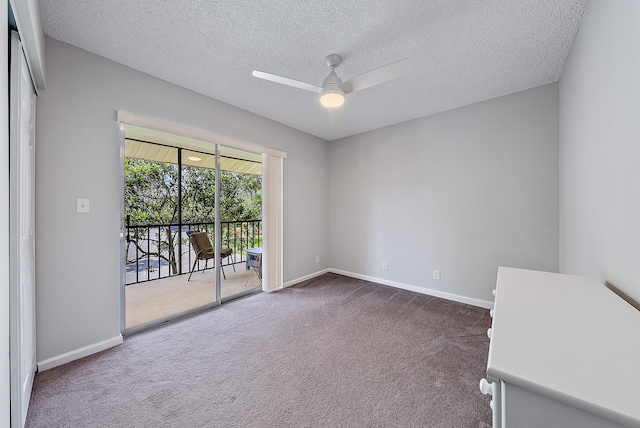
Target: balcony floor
pixel 158 299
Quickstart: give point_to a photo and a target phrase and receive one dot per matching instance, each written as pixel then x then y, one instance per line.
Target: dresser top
pixel 569 338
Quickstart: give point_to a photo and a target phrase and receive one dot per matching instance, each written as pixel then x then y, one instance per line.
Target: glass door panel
pixel 169 193
pixel 240 222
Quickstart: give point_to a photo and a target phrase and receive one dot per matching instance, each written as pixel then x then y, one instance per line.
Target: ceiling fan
pixel 334 89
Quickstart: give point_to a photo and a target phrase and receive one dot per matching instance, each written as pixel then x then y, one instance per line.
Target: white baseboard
pixel 76 354
pixel 304 278
pixel 436 293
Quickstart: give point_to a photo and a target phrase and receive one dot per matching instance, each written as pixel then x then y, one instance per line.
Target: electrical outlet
pixel 436 275
pixel 384 266
pixel 317 259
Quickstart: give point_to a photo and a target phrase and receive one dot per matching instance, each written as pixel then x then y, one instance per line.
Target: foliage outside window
pixel 151 204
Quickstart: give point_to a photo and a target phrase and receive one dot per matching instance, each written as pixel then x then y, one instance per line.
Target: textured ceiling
pixel 462 51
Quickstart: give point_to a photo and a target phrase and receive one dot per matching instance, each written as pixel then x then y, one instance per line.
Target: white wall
pixel 78 288
pixel 600 148
pixel 462 191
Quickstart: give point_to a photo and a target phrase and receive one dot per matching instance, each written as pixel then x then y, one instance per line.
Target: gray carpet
pixel 330 352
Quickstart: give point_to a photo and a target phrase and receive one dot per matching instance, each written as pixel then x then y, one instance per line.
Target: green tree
pixel 151 191
pixel 198 194
pixel 151 198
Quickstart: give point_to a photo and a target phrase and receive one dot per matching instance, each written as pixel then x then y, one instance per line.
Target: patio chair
pixel 204 251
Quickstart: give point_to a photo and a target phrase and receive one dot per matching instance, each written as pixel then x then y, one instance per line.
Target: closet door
pixel 21 235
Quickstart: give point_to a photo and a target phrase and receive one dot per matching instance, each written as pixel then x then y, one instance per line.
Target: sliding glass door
pixel 192 217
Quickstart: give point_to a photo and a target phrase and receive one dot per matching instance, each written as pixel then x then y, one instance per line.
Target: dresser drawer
pixel 526 409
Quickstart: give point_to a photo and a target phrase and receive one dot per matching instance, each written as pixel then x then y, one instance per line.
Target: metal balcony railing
pixel 156 251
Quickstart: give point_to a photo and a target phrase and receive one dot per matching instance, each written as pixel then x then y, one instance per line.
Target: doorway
pixel 177 189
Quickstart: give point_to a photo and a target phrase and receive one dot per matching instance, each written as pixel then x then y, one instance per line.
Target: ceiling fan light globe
pixel 332 98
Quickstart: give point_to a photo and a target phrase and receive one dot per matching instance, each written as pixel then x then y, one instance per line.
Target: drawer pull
pixel 486 387
pixel 489 333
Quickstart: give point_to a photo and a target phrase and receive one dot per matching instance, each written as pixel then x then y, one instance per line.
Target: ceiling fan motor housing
pixel 332 94
pixel 332 81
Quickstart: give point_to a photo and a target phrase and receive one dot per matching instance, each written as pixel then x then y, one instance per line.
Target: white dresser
pixel 564 353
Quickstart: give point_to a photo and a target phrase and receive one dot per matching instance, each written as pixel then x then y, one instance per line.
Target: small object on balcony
pixel 254 262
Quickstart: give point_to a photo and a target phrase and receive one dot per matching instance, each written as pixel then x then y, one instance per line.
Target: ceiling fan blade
pixel 377 76
pixel 286 81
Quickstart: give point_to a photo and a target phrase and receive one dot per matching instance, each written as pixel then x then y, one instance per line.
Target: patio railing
pixel 156 251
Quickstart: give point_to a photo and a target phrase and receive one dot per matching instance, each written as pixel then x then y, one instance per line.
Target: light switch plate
pixel 82 206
